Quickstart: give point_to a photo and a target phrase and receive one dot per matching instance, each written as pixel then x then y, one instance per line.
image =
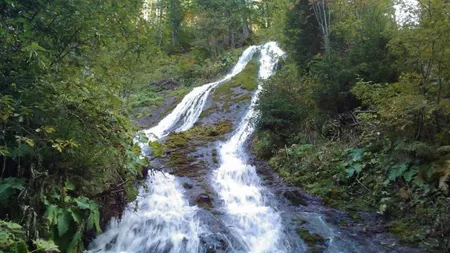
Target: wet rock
pixel 295 197
pixel 144 171
pixel 314 241
pixel 187 186
pixel 204 200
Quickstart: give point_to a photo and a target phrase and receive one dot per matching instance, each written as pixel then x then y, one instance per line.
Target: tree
pixel 323 17
pixel 65 68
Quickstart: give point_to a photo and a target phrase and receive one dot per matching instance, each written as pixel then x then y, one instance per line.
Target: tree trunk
pixel 323 18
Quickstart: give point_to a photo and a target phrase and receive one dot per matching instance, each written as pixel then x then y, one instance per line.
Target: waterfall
pixel 161 220
pixel 257 224
pixel 186 113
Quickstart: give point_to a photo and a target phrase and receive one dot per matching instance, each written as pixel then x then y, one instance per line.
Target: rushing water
pixel 186 113
pixel 161 220
pixel 251 218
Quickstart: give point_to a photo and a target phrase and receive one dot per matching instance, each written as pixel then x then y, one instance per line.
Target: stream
pixel 252 212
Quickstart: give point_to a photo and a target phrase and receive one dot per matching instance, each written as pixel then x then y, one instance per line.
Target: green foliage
pixel 65 74
pixel 301 30
pixel 286 106
pixel 9 186
pixel 158 148
pixel 222 24
pixel 12 240
pixel 68 218
pixel 12 237
pixel 365 124
pixel 46 246
pixel 354 164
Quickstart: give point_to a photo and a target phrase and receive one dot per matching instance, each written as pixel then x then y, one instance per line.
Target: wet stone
pixel 296 198
pixel 187 186
pixel 204 200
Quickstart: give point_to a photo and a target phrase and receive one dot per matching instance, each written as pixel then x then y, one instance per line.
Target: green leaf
pixel 4 151
pixel 96 215
pixel 63 224
pixel 11 226
pixel 350 172
pixel 46 245
pixel 357 154
pixel 69 186
pixel 35 46
pixel 397 171
pixel 52 214
pixel 83 202
pixel 75 243
pixel 90 223
pixel 20 247
pixel 443 149
pixel 75 215
pixel 357 167
pixel 408 175
pixel 382 208
pixel 9 186
pixel 28 141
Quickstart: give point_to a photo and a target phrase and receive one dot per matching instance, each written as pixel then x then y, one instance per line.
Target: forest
pixel 357 114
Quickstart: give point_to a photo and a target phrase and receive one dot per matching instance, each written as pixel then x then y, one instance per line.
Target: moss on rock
pixel 158 148
pixel 247 80
pixel 182 144
pixel 312 240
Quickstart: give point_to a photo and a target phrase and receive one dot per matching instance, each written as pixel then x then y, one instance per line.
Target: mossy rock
pixel 246 80
pixel 405 231
pixel 177 140
pixel 158 148
pixel 295 198
pixel 204 200
pixel 207 112
pixel 214 156
pixel 300 221
pixel 183 144
pixel 314 241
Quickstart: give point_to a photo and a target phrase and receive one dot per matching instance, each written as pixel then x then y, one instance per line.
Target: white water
pixel 163 220
pixel 249 216
pixel 189 109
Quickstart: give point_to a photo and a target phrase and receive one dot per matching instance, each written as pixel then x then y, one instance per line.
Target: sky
pixel 404 11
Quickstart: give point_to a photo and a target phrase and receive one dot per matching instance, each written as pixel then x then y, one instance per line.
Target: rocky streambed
pixel 311 226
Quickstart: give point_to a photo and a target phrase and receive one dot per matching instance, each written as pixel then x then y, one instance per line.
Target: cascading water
pixel 257 224
pixel 190 108
pixel 162 220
